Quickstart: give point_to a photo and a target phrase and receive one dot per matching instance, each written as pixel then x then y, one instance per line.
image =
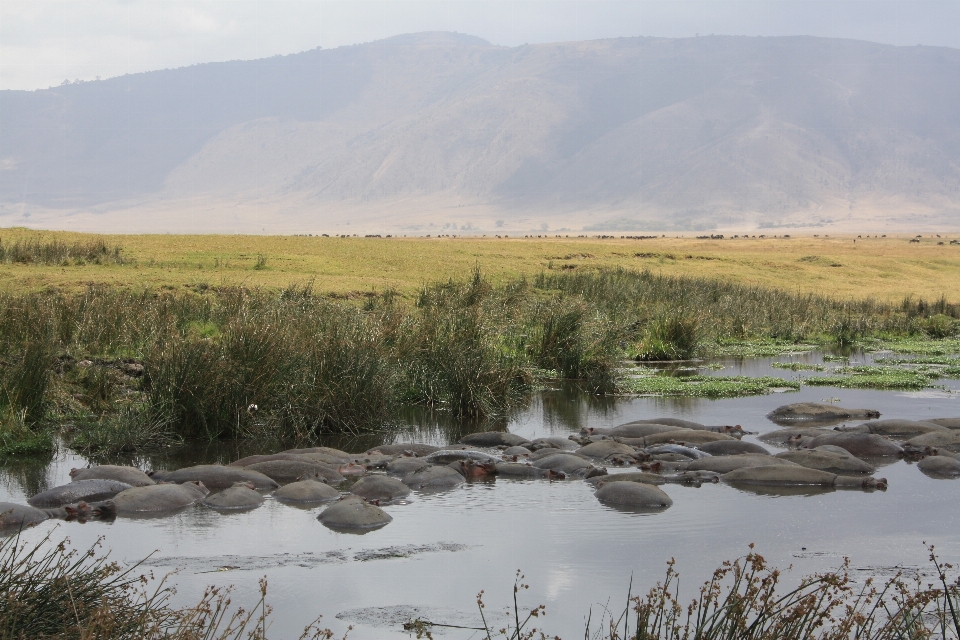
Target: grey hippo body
pixel 404 465
pixel 417 448
pixel 948 440
pixel 732 447
pixel 788 475
pixel 306 491
pixel 377 487
pixel 726 464
pixel 433 478
pixel 570 465
pixel 284 471
pixel 636 495
pixel 215 476
pixel 893 428
pixel 494 439
pixel 353 513
pixel 159 497
pixel 818 413
pixel 240 496
pixel 130 475
pixel 942 466
pixel 858 444
pixel 527 471
pixel 79 491
pixel 830 461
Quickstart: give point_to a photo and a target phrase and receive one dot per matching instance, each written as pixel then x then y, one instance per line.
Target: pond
pixel 576 554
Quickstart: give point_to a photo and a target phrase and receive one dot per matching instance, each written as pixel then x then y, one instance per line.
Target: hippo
pixel 949 423
pixel 858 444
pixel 673 422
pixel 684 452
pixel 306 491
pixel 377 487
pixel 353 513
pixel 686 436
pixel 731 447
pixel 521 452
pixel 520 471
pixel 551 442
pixel 630 476
pixel 829 461
pixel 14 517
pixel 403 465
pixel 893 428
pixel 215 476
pixel 948 440
pixel 785 436
pixel 726 464
pixel 632 430
pixel 786 475
pixel 337 454
pixel 79 491
pixel 159 497
pixel 129 475
pixel 944 466
pixel 546 453
pixel 240 496
pixel 446 456
pixel 473 470
pixel 606 449
pixel 416 448
pixel 283 471
pixel 298 457
pixel 494 439
pixel 569 464
pixel 433 477
pixel 818 413
pixel 374 460
pixel 633 494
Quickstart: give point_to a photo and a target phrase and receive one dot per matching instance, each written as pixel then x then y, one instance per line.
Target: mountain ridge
pixel 423 130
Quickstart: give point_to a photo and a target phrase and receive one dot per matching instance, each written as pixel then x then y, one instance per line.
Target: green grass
pixel 797 366
pixel 875 377
pixel 706 386
pixel 917 345
pixel 757 348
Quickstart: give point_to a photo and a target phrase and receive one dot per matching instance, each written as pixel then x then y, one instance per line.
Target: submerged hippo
pixel 685 436
pixel 633 494
pixel 858 444
pixel 417 448
pixel 239 496
pixel 818 413
pixel 949 423
pixel 945 466
pixel 299 457
pixel 283 471
pixel 129 475
pixel 731 448
pixel 403 465
pixel 340 456
pixel 606 449
pixel 354 513
pixel 215 476
pixel 377 487
pixel 570 465
pixel 685 452
pixel 446 456
pixel 473 470
pixel 79 491
pixel 306 491
pixel 551 442
pixel 433 478
pixel 521 471
pixel 494 439
pixel 632 430
pixel 785 436
pixel 726 464
pixel 830 461
pixel 695 478
pixel 14 517
pixel 787 475
pixel 948 440
pixel 893 428
pixel 159 497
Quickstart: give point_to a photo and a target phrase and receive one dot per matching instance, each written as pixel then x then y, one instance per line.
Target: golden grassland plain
pixel 887 269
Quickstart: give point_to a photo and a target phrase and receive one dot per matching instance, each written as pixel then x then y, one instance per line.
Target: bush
pixel 670 338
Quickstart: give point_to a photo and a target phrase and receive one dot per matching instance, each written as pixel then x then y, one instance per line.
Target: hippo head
pixel 245 483
pixel 875 483
pixel 556 475
pixel 78 511
pixel 473 469
pixel 199 485
pixel 352 469
pixel 652 467
pixel 312 476
pixel 73 472
pixel 409 454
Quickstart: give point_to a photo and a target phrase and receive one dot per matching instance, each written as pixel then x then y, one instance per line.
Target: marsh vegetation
pixel 114 369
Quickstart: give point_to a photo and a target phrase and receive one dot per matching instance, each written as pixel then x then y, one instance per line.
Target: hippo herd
pixel 659 451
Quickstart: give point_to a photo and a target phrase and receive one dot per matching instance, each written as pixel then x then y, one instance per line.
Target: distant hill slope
pixel 424 130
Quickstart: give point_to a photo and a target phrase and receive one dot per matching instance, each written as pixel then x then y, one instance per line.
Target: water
pixel 576 554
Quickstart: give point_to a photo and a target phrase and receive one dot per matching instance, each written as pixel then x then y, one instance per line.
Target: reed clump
pixel 210 362
pixel 59 253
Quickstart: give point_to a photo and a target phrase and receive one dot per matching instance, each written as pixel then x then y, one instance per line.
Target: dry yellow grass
pixel 842 266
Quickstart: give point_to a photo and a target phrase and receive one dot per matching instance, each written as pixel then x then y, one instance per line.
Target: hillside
pixel 439 132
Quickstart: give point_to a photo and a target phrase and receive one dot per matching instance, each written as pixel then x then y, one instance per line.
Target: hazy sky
pixel 44 42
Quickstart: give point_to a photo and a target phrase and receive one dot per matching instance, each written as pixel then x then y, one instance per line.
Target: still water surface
pixel 441 549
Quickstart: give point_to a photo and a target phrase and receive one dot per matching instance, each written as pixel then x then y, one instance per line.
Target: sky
pixel 46 42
